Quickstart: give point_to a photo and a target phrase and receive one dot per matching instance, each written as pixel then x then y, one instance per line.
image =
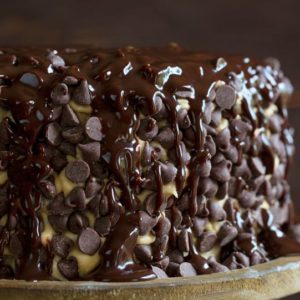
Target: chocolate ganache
pixel 134 164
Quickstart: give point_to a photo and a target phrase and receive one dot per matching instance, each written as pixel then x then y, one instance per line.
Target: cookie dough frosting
pixel 133 164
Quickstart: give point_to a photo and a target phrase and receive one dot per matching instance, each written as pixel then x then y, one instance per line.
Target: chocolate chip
pixel 183 202
pixel 219 157
pixel 90 152
pixel 166 137
pixel 185 155
pixel 99 170
pixel 216 212
pixel 58 163
pixel 60 94
pixel 257 166
pixel 168 172
pixel 206 241
pixel 223 190
pixel 183 241
pixel 186 269
pixel 58 223
pixel 173 269
pixel 225 97
pixel 208 112
pixel 143 253
pixel 159 272
pixel 148 129
pixel 93 129
pixel 81 94
pixel 176 217
pixel 55 59
pixel 77 171
pixel 176 256
pixel 247 198
pixel 163 226
pixel 77 221
pixel 223 139
pixel 240 128
pixel 186 220
pixel 146 223
pixel 221 171
pixel 61 245
pixel 70 80
pixel 237 260
pixel 242 170
pixel 48 189
pixel 162 263
pixel 210 145
pixel 30 79
pixel 150 203
pixel 202 210
pixel 215 266
pixel 232 154
pixel 227 233
pixel 189 137
pixel 67 148
pixel 257 258
pixel 159 108
pixel 183 119
pixel 199 225
pixel 69 117
pixel 103 205
pixel 15 246
pixel 52 134
pixel 207 129
pixel 92 188
pixel 208 187
pixel 211 94
pixel 73 135
pixel 160 247
pixel 58 207
pixel 68 267
pixel 216 118
pixel 102 225
pixel 76 198
pixel 203 167
pixel 89 241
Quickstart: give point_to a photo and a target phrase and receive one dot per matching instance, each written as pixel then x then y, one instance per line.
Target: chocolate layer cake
pixel 133 164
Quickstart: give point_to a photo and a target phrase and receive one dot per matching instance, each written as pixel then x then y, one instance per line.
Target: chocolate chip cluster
pixel 135 164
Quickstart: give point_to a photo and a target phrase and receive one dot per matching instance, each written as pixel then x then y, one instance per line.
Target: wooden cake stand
pixel 275 279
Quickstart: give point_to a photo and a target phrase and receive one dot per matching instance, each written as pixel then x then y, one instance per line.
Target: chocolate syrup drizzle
pixel 120 80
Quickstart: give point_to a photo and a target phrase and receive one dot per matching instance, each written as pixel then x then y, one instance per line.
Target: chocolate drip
pixel 118 264
pixel 26 170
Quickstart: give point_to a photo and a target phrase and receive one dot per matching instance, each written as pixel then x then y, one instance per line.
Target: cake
pixel 134 164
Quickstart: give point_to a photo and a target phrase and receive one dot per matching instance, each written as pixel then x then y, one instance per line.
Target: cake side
pixel 130 164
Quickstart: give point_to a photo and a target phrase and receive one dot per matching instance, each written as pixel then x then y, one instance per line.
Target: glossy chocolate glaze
pixel 122 83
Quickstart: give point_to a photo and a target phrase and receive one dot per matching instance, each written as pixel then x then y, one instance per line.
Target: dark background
pixel 255 27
